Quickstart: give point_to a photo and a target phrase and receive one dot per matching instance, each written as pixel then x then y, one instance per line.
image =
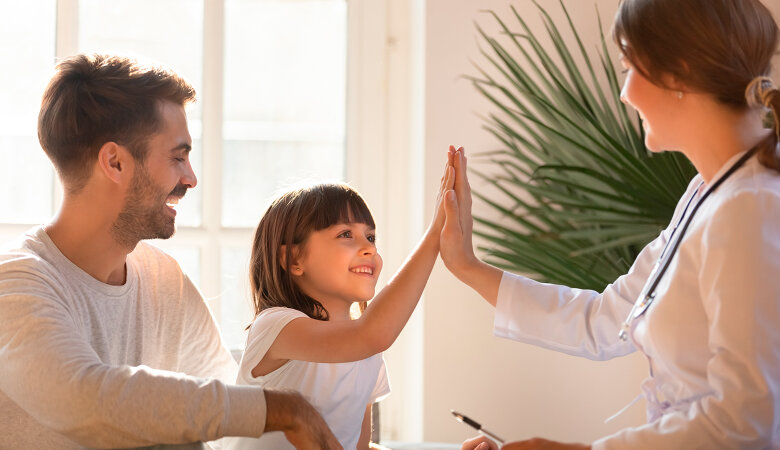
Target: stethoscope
pixel 647 295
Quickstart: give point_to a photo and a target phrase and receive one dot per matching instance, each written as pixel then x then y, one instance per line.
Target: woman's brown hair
pixel 718 47
pixel 285 226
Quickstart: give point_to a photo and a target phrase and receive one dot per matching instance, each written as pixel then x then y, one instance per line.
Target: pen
pixel 474 424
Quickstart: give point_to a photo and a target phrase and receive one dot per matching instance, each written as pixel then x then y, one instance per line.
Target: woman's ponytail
pixel 762 92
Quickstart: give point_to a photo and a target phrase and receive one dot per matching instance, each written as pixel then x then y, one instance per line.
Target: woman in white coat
pixel 702 301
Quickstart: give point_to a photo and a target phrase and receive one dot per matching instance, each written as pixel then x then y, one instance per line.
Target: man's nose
pixel 189 178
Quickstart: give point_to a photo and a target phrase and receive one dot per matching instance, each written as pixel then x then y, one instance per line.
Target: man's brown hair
pixel 94 99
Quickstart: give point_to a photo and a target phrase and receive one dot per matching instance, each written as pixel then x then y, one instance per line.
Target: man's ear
pixel 114 162
pixel 296 269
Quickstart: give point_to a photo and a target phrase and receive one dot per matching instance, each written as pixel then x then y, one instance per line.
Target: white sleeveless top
pixel 339 391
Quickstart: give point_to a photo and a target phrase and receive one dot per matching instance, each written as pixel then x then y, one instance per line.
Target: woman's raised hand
pixel 456 248
pixel 455 245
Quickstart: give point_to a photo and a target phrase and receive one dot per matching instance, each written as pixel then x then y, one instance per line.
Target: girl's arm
pixel 312 340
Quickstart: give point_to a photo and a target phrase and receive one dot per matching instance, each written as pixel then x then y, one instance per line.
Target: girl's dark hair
pixel 718 47
pixel 288 222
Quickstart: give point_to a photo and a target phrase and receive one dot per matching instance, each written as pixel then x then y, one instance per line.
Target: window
pixel 274 108
pixel 271 81
pixel 26 69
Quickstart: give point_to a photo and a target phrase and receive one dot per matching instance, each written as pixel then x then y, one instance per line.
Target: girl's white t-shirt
pixel 339 391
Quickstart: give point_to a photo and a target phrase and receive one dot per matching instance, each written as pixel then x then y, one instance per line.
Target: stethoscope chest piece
pixel 643 305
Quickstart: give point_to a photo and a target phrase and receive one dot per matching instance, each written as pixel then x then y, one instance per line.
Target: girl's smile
pixel 339 265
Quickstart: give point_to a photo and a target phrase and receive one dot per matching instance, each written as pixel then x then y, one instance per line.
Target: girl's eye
pixel 371 238
pixel 346 234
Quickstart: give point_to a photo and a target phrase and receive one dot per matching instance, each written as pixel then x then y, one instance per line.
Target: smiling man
pixel 104 342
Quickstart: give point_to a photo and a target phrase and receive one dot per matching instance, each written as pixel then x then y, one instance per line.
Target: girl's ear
pixel 295 268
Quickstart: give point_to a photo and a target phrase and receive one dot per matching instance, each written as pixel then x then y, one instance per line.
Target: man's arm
pixel 50 370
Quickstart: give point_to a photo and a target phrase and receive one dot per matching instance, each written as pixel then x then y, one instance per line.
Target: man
pixel 104 342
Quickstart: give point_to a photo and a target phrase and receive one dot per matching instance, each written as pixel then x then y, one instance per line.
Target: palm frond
pixel 579 193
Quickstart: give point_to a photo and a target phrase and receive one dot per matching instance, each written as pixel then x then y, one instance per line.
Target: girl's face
pixel 657 107
pixel 339 266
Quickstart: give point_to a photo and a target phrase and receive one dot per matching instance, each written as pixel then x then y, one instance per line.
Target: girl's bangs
pixel 341 204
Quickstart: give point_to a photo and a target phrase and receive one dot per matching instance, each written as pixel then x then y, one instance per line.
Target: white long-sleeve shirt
pixel 711 336
pixel 83 363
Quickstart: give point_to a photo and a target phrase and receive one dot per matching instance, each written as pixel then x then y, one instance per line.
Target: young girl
pixel 314 255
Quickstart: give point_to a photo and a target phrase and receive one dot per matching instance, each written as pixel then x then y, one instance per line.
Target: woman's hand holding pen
pixel 456 248
pixel 483 443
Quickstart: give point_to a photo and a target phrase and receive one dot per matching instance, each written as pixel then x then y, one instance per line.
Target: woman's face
pixel 658 108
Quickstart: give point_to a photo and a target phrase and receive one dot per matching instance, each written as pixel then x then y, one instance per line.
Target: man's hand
pixel 289 412
pixel 483 443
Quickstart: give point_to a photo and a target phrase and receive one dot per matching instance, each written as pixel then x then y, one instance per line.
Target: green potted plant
pixel 579 193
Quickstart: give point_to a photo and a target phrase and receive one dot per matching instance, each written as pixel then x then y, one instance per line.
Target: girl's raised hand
pixel 447 183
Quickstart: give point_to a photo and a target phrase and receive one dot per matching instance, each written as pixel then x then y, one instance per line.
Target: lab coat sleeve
pixel 574 321
pixel 741 298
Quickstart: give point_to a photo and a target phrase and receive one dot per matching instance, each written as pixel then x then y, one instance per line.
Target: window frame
pixel 383 140
pixel 366 55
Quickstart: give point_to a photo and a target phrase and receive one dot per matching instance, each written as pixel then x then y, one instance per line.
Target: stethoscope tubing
pixel 646 300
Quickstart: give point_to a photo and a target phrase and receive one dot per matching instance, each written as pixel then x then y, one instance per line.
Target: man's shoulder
pixel 26 268
pixel 159 271
pixel 149 257
pixel 24 253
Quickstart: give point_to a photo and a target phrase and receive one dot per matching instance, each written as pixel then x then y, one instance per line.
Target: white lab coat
pixel 712 335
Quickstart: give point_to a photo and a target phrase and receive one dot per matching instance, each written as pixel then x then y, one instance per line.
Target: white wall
pixel 519 390
pixel 447 357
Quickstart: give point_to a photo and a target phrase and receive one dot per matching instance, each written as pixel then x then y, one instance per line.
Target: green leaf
pixel 575 192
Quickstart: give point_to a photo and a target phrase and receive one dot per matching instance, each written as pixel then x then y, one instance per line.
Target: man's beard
pixel 142 216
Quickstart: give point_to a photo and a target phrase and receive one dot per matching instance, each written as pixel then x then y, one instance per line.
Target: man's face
pixel 158 183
